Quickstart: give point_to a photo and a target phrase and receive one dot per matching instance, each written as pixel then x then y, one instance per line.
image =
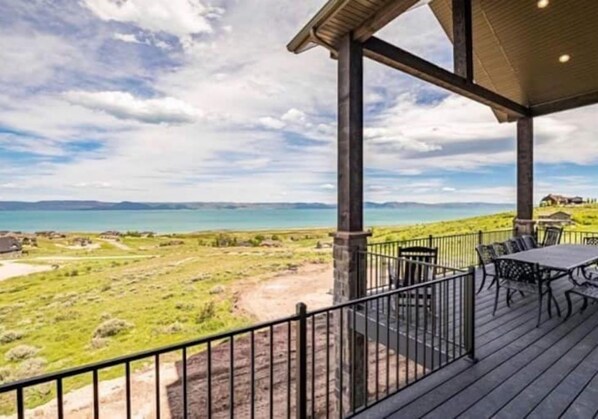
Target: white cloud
pixel 181 18
pixel 124 105
pixel 271 123
pixel 130 38
pixel 295 116
pixel 328 186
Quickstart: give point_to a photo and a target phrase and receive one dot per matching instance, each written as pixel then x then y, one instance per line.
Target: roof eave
pixel 303 40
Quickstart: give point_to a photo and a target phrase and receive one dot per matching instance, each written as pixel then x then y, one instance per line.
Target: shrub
pixel 9 336
pixel 21 352
pixel 173 328
pixel 206 312
pixel 31 367
pixel 98 343
pixel 111 328
pixel 5 375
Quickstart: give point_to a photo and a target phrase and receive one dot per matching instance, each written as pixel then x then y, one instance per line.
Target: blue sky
pixel 180 100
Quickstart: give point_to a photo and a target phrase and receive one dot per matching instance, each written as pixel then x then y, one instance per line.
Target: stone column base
pixel 523 227
pixel 349 284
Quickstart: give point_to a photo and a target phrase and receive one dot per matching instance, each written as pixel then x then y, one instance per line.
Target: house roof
pixel 517 45
pixel 9 244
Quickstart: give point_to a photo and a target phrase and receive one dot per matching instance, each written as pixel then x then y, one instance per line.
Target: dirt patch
pixel 278 296
pixel 12 269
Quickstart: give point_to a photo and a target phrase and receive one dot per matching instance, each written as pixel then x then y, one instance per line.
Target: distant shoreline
pixel 214 220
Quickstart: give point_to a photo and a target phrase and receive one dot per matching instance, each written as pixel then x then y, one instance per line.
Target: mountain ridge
pixel 92 205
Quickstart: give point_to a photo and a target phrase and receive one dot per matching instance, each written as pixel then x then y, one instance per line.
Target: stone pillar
pixel 524 223
pixel 349 283
pixel 350 346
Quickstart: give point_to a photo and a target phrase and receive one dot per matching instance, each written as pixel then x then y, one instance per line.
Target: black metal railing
pixel 289 367
pixel 385 273
pixel 457 250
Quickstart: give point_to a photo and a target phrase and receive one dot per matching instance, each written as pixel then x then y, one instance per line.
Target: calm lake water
pixel 171 221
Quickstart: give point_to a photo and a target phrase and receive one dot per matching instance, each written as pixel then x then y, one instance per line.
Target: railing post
pixel 430 240
pixel 301 362
pixel 469 311
pixel 480 237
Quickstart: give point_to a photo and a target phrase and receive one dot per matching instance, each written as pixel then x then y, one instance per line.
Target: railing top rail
pixel 426 284
pixel 411 261
pixel 137 356
pixel 440 237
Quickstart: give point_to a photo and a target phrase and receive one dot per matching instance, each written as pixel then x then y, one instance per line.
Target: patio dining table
pixel 561 260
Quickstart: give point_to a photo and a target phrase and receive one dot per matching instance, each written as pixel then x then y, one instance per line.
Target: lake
pixel 173 221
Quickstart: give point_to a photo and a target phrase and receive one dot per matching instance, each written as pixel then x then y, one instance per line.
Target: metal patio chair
pixel 486 257
pixel 529 242
pixel 513 246
pixel 416 265
pixel 500 249
pixel 552 236
pixel 523 277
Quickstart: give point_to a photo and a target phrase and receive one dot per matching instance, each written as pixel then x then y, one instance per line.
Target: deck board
pixel 522 370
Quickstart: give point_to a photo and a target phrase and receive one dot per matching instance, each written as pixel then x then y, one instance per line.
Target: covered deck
pixel 521 370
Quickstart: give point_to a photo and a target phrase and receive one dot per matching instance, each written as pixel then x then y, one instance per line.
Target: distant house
pixel 558 219
pixel 10 246
pixel 556 200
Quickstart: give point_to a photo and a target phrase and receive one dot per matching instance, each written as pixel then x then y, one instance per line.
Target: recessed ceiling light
pixel 564 58
pixel 543 3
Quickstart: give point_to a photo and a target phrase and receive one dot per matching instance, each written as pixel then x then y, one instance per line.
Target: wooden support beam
pixel 565 104
pixel 525 169
pixel 397 58
pixel 350 135
pixel 463 39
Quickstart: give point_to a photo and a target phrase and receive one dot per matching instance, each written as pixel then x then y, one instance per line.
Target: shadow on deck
pixel 522 371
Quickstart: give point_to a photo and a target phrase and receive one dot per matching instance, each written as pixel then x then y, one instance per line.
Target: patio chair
pixel 416 265
pixel 552 236
pixel 486 256
pixel 513 246
pixel 529 242
pixel 587 290
pixel 523 277
pixel 500 249
pixel 590 241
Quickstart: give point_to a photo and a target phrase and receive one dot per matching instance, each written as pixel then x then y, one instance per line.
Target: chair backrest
pixel 500 249
pixel 485 253
pixel 514 270
pixel 529 242
pixel 513 246
pixel 591 241
pixel 520 243
pixel 552 236
pixel 417 264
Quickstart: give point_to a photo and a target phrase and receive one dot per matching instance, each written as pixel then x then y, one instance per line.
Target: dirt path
pixel 12 268
pixel 277 297
pixel 116 244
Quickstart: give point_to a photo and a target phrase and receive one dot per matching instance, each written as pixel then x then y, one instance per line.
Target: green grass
pixel 169 297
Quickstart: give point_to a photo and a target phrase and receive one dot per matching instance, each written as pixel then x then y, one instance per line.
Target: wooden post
pixel 349 275
pixel 524 223
pixel 463 39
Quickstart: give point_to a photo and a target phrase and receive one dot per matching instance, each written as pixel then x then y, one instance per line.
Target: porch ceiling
pixel 517 45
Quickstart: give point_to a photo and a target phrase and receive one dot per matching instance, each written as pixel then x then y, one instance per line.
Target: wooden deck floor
pixel 522 371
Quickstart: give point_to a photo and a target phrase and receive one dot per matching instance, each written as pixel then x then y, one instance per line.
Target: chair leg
pixel 569 304
pixel 585 304
pixel 549 304
pixel 556 304
pixel 496 299
pixel 508 298
pixel 483 282
pixel 540 297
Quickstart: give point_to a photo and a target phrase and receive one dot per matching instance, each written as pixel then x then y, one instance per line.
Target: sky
pixel 199 100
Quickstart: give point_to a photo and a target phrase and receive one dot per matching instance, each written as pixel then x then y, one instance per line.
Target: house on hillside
pixel 557 219
pixel 10 247
pixel 552 200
